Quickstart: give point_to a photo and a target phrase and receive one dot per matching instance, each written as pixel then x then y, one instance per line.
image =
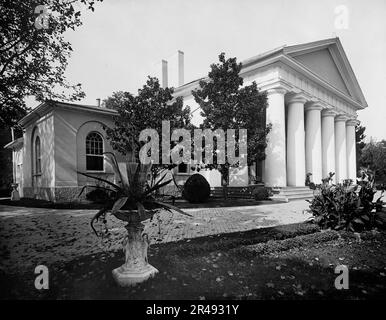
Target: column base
pixel 127 278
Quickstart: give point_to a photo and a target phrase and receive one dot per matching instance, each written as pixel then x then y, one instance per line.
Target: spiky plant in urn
pixel 132 201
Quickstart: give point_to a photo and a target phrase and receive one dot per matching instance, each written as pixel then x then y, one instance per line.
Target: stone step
pixel 294 193
pixel 300 192
pixel 295 188
pixel 299 196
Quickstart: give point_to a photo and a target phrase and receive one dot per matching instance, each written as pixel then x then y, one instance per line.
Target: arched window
pixel 38 159
pixel 94 152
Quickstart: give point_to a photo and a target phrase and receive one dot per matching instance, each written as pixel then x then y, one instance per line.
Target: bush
pixel 346 206
pixel 260 193
pixel 196 189
pixel 98 196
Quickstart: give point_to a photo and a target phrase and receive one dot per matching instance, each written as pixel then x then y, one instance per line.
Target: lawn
pixel 287 262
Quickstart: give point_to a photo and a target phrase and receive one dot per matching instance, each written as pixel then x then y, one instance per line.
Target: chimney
pixel 164 73
pixel 180 68
pixel 98 102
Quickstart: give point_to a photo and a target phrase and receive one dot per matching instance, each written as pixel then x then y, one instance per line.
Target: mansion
pixel 313 100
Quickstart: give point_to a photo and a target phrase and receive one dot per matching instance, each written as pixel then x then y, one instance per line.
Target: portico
pixel 313 98
pixel 314 138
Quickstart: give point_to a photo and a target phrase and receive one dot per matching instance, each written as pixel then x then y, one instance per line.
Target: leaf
pixel 101 179
pixel 169 206
pixel 119 204
pixel 156 187
pixel 95 217
pixel 358 220
pixel 365 217
pixel 114 163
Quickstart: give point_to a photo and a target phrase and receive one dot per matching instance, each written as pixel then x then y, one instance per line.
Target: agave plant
pixel 131 194
pixel 133 201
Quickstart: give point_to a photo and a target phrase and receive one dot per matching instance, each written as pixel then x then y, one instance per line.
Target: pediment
pixel 327 60
pixel 321 63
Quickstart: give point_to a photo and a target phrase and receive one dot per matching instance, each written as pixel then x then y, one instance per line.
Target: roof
pixel 49 105
pixel 287 55
pixel 15 144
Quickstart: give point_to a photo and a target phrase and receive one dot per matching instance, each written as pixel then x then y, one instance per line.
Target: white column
pixel 313 137
pixel 275 166
pixel 351 150
pixel 296 167
pixel 340 148
pixel 328 142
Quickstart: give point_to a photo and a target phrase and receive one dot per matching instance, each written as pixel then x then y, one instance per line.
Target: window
pixel 94 152
pixel 38 159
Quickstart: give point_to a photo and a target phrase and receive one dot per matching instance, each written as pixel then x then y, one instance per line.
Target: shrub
pixel 98 196
pixel 346 206
pixel 196 189
pixel 260 193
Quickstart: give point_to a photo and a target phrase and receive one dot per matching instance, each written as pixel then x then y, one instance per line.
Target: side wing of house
pixel 80 142
pixel 38 158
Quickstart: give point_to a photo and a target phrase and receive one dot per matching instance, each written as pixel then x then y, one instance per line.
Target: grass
pixel 287 262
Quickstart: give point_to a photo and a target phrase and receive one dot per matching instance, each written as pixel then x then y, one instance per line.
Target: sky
pixel 124 41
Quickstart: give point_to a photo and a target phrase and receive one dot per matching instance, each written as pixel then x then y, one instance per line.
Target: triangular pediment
pixel 328 61
pixel 321 63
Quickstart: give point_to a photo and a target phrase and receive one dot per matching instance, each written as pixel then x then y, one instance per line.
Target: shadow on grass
pixel 207 268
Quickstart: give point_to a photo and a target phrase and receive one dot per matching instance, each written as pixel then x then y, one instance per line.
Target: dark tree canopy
pixel 359 140
pixel 146 110
pixel 34 53
pixel 373 156
pixel 227 104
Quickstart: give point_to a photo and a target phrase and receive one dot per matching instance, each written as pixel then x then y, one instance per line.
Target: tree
pixel 374 157
pixel 34 54
pixel 227 104
pixel 146 110
pixel 359 139
pixel 5 162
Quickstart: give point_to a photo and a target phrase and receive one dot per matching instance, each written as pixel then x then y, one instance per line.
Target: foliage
pixel 33 60
pixel 260 193
pixel 196 189
pixel 6 177
pixel 359 139
pixel 98 195
pixel 374 158
pixel 345 206
pixel 132 198
pixel 145 110
pixel 227 104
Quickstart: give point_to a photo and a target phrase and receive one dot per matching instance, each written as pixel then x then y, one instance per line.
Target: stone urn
pixel 136 268
pixel 15 196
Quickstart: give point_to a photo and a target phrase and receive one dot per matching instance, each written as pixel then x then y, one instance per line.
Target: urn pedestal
pixel 136 268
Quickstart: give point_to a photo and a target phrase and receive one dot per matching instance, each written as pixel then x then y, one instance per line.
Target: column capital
pixel 297 97
pixel 276 86
pixel 341 118
pixel 280 89
pixel 329 112
pixel 352 122
pixel 314 105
